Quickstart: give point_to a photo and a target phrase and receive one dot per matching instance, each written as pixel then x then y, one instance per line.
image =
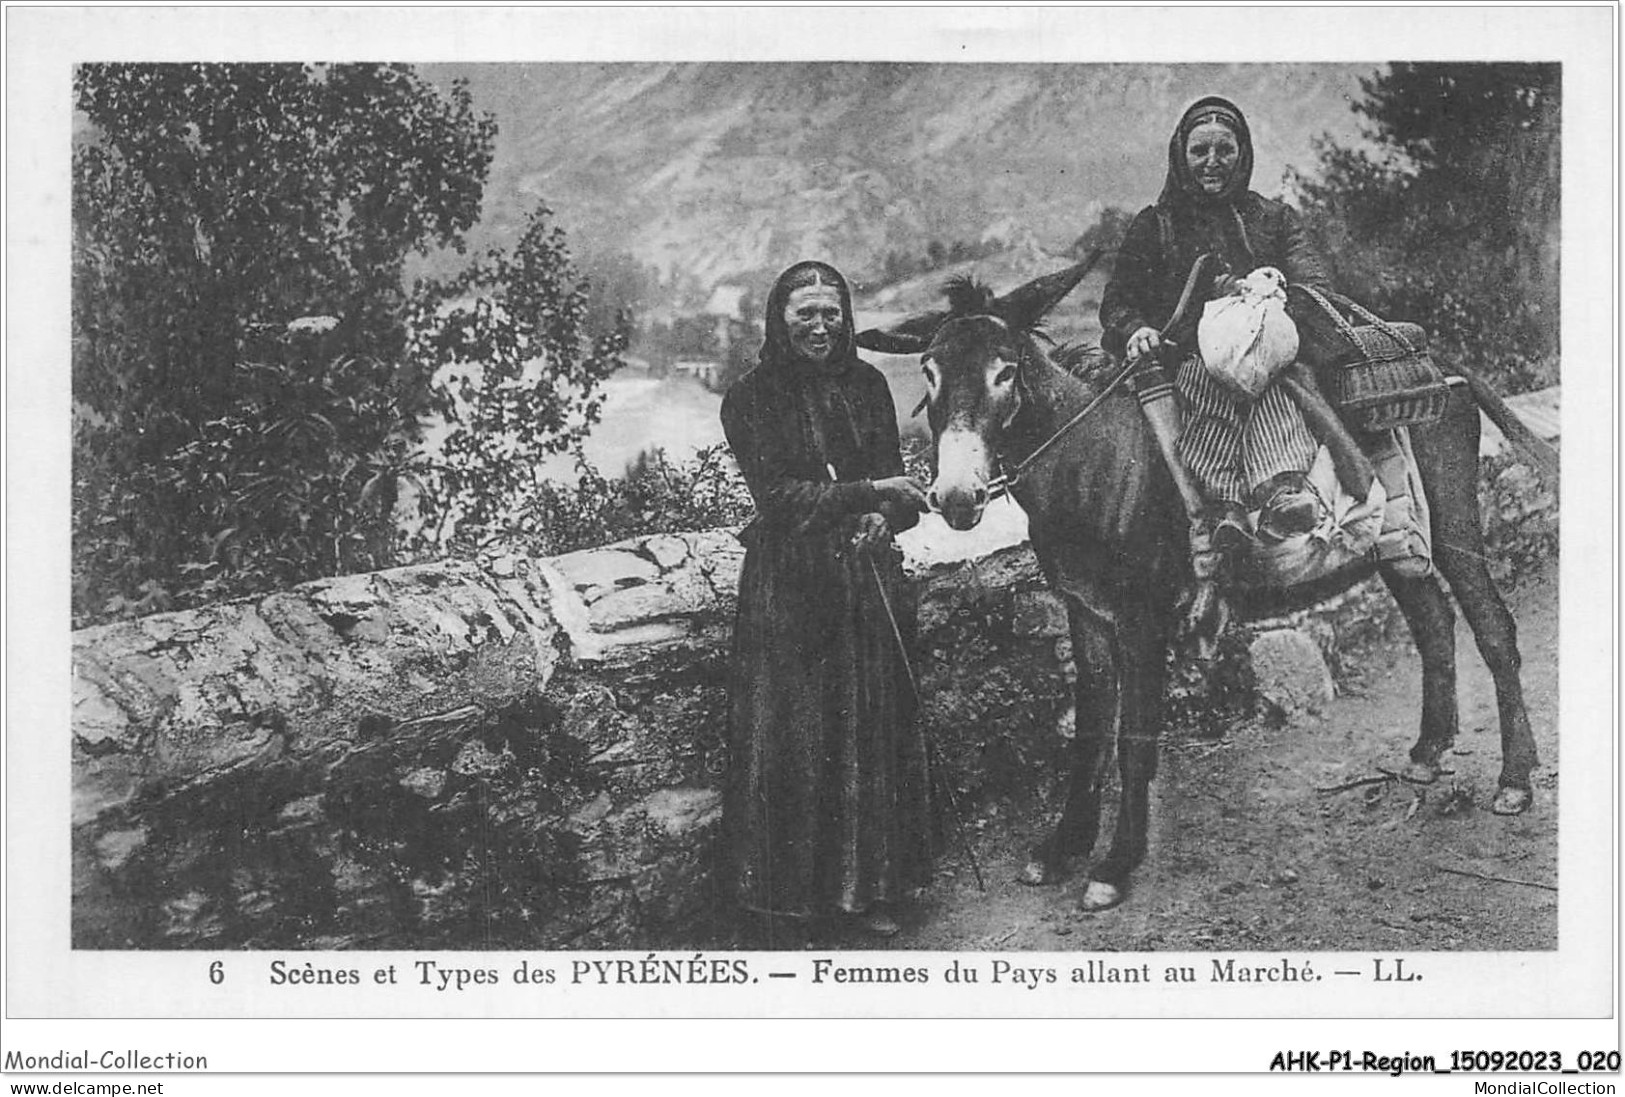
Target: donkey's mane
pixel 967 297
pixel 1080 359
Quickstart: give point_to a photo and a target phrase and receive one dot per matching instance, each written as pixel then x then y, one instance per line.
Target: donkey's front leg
pixel 1143 638
pixel 1095 722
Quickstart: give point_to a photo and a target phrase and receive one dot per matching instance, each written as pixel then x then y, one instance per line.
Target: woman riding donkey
pixel 1083 463
pixel 1244 454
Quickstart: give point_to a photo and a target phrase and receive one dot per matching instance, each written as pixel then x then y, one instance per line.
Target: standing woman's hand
pixel 872 533
pixel 902 492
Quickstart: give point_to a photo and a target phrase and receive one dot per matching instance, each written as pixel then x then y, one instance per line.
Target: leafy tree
pixel 744 344
pixel 520 377
pixel 215 205
pixel 618 283
pixel 248 392
pixel 692 337
pixel 217 201
pixel 1453 221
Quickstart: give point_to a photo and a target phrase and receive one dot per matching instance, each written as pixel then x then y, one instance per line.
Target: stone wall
pixel 527 753
pixel 519 753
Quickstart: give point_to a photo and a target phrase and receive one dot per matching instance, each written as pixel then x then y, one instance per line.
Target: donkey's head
pixel 971 353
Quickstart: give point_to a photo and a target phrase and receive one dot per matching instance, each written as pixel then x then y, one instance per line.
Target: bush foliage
pixel 251 369
pixel 656 495
pixel 1452 221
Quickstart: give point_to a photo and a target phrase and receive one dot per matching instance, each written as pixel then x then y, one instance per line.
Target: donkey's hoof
pixel 1419 773
pixel 1036 873
pixel 1100 896
pixel 1512 801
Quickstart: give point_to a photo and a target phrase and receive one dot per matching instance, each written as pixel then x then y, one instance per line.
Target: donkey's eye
pixel 930 373
pixel 1005 376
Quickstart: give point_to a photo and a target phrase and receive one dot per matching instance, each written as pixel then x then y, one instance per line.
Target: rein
pixel 1001 485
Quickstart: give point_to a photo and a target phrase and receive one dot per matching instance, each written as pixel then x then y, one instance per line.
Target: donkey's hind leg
pixel 1496 632
pixel 1447 455
pixel 1433 627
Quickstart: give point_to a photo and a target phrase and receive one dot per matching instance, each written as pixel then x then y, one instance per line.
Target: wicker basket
pixel 1379 374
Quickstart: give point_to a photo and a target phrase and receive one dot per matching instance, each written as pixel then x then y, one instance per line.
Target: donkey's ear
pixel 909 336
pixel 1023 307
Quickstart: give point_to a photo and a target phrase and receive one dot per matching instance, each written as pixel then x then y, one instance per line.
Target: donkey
pixel 1110 535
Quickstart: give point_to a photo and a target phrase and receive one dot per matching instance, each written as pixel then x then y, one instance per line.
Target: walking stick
pixel 933 759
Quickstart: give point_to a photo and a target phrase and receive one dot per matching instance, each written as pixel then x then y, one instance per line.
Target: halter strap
pixel 1004 483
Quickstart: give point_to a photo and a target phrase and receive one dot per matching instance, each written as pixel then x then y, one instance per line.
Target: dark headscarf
pixel 1180 188
pixel 776 350
pixel 816 391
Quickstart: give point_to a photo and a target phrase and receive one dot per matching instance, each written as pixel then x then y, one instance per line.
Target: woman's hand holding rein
pixel 901 491
pixel 1142 343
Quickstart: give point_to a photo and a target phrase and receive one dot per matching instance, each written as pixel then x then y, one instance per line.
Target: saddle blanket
pixel 1390 525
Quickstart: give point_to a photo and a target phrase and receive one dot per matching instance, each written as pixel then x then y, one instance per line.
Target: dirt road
pixel 1247 853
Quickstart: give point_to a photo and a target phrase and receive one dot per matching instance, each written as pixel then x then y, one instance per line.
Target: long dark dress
pixel 827 806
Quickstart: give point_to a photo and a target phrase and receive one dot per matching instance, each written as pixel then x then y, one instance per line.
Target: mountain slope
pixel 733 170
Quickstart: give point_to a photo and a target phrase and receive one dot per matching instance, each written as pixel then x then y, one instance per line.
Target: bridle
pixel 1004 483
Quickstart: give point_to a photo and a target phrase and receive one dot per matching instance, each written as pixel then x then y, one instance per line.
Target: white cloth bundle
pixel 1247 338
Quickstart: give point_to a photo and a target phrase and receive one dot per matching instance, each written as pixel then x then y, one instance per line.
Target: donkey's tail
pixel 1537 449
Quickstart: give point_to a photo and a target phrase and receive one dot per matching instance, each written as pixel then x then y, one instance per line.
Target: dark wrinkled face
pixel 815 321
pixel 970 378
pixel 1212 153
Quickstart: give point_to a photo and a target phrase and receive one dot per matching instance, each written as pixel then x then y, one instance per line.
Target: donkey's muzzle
pixel 961 508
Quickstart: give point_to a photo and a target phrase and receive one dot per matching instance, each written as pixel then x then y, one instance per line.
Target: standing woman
pixel 826 810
